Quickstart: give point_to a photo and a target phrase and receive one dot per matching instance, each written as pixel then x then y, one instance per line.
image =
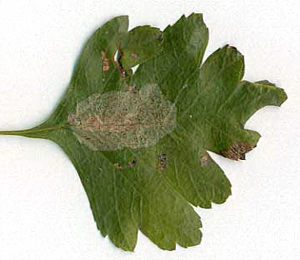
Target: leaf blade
pixel 151 187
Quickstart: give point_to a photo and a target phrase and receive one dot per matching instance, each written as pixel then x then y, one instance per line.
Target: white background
pixel 44 211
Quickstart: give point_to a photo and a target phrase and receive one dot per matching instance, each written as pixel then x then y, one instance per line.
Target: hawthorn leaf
pixel 139 140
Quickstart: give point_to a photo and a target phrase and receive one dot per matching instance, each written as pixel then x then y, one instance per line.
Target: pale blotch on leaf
pixel 116 120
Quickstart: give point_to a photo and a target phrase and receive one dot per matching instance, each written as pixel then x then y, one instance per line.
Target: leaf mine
pixel 116 120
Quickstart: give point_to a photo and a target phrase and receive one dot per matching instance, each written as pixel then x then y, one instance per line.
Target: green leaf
pixel 139 140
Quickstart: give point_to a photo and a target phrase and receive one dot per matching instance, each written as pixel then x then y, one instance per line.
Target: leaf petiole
pixel 31 131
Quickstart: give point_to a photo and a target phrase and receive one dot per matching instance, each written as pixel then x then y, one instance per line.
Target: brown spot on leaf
pixel 205 159
pixel 134 55
pixel 117 60
pixel 118 166
pixel 105 61
pixel 237 151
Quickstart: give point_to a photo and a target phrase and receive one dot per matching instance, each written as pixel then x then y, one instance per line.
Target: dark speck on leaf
pixel 162 161
pixel 160 37
pixel 132 163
